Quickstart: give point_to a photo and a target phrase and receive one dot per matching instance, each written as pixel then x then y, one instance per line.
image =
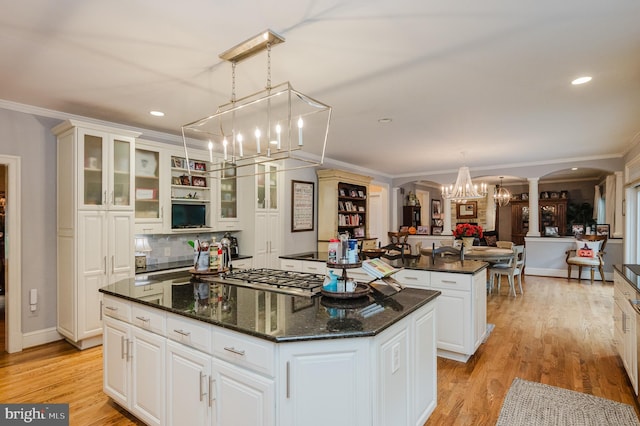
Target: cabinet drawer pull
pixel 143 319
pixel 182 332
pixel 312 268
pixel 449 282
pixel 111 308
pixel 288 381
pixel 411 278
pixel 234 350
pixel 122 345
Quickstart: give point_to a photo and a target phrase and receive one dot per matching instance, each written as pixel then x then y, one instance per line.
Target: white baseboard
pixel 40 337
pixel 562 273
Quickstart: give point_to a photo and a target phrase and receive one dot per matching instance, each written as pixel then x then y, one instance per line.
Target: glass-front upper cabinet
pixel 148 189
pixel 94 172
pixel 228 190
pixel 267 186
pixel 107 164
pixel 120 178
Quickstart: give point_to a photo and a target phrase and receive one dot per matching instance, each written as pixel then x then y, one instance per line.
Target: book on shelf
pixel 378 268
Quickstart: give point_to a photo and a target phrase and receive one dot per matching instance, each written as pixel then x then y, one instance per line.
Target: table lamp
pixel 142 247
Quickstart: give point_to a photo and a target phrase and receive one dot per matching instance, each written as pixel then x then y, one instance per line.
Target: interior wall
pixel 29 137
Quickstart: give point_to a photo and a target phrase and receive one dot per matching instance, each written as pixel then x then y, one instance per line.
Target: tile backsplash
pixel 174 248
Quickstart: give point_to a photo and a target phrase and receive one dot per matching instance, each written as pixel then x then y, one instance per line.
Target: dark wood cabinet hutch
pixel 553 213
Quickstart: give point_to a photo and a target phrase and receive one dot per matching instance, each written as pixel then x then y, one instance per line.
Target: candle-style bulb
pixel 300 124
pixel 239 138
pixel 224 146
pixel 278 131
pixel 258 140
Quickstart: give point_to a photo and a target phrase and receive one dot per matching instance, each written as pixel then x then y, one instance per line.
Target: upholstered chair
pixel 588 253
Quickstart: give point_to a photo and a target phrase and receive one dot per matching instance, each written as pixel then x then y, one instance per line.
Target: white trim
pixel 13 254
pixel 562 273
pixel 40 337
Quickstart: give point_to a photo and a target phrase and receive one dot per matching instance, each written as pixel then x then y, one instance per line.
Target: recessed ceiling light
pixel 157 113
pixel 385 120
pixel 581 80
pixel 574 168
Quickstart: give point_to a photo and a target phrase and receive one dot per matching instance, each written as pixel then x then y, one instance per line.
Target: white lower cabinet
pixel 240 380
pixel 625 327
pixel 133 360
pixel 240 397
pixel 462 309
pixel 324 383
pixel 188 372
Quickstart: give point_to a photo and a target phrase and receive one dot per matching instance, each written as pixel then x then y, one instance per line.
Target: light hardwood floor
pixel 560 333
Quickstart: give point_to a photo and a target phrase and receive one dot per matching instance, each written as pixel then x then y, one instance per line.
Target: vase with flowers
pixel 467 233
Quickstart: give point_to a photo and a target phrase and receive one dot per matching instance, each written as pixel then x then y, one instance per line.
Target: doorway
pixel 11 257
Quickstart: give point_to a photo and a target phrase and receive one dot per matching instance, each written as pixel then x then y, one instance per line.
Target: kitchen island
pixel 179 350
pixel 462 305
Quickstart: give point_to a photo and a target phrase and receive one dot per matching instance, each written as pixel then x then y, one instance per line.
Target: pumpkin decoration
pixel 412 230
pixel 585 251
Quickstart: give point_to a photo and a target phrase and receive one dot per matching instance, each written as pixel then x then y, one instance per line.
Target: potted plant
pixel 580 214
pixel 468 233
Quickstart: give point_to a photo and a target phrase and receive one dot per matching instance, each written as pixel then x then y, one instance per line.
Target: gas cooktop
pixel 288 282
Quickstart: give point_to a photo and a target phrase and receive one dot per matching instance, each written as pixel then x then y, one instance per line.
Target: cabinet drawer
pixel 291 265
pixel 413 278
pixel 314 267
pixel 245 351
pixel 189 332
pixel 443 280
pixel 150 319
pixel 242 263
pixel 116 308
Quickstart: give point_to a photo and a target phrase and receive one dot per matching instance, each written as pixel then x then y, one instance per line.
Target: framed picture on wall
pixel 436 209
pixel 468 210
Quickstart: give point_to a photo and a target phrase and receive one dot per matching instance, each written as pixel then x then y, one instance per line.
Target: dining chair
pixel 511 269
pixel 504 244
pixel 447 253
pixel 592 257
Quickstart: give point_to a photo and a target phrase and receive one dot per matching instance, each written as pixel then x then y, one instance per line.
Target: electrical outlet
pixel 395 357
pixel 167 251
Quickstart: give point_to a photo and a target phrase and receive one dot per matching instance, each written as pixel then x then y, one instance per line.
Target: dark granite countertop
pixel 631 273
pixel 168 266
pixel 425 263
pixel 245 310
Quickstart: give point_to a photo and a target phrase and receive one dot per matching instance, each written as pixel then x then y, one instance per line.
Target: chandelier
pixel 501 195
pixel 277 123
pixel 464 189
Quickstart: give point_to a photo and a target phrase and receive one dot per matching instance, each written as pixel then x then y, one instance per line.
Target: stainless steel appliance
pixel 233 245
pixel 288 282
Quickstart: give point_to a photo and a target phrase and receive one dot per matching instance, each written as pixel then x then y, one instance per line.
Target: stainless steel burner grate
pixel 290 282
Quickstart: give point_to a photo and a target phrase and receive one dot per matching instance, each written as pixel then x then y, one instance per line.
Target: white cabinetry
pixel 268 220
pixel 151 188
pixel 227 218
pixel 231 377
pixel 625 327
pixel 95 223
pixel 462 309
pixel 132 359
pixel 333 374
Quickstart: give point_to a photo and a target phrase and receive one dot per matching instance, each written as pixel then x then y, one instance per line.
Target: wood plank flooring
pixel 560 333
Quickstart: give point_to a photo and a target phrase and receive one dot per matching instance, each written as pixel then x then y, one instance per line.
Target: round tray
pixel 361 291
pixel 357 303
pixel 338 265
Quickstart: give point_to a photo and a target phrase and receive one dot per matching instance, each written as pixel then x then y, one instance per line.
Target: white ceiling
pixel 490 79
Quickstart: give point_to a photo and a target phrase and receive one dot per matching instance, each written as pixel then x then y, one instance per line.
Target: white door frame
pixel 12 247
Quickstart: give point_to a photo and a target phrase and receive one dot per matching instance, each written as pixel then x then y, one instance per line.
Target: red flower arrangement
pixel 467 230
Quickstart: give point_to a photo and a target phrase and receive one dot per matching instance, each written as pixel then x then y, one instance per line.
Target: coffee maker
pixel 233 245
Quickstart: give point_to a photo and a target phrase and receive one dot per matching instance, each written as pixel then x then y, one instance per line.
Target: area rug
pixel 530 403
